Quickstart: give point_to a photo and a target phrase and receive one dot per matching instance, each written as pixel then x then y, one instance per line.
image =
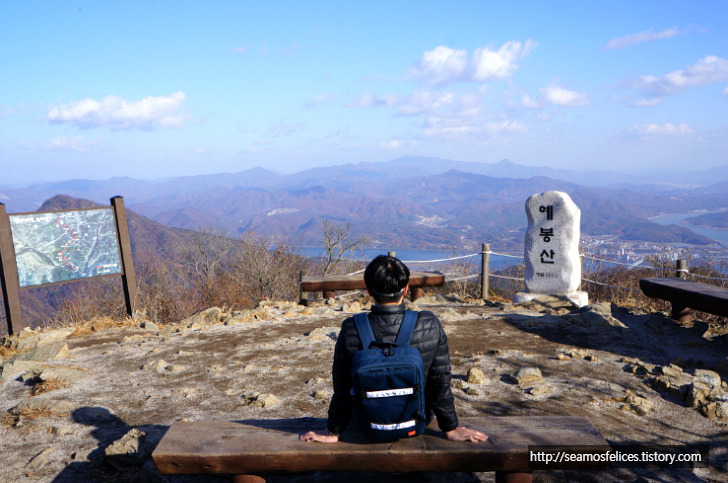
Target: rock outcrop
pixel 111 394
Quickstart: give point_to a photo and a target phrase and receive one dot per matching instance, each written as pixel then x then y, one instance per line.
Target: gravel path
pixel 275 363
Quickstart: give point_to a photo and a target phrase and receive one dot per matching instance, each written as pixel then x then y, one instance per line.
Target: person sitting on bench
pixel 387 281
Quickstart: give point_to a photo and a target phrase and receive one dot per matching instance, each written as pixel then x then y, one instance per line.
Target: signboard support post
pixel 127 267
pixel 9 275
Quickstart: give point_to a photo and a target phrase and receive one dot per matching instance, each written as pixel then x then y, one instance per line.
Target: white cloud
pixel 342 133
pixel 71 143
pixel 7 111
pixel 285 128
pixel 443 64
pixel 375 100
pixel 116 113
pixel 423 102
pixel 656 101
pixel 633 39
pixel 665 130
pixel 391 144
pixel 725 91
pixel 559 96
pixel 321 99
pixel 447 115
pixel 242 49
pixel 555 95
pixel 708 70
pixel 458 128
pixel 440 65
pixel 529 103
pixel 488 65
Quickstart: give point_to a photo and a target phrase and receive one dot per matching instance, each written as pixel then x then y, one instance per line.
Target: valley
pixel 411 202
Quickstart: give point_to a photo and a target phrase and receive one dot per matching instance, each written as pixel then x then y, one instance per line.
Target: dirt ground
pixel 215 372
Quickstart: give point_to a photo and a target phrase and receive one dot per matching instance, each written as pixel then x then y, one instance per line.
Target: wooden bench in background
pixel 687 294
pixel 247 449
pixel 328 285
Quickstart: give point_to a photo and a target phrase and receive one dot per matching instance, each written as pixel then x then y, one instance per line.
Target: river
pixel 721 236
pixel 497 262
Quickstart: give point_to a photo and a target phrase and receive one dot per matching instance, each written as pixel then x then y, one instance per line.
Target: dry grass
pixel 100 323
pixel 30 414
pixel 7 352
pixel 48 385
pixel 9 419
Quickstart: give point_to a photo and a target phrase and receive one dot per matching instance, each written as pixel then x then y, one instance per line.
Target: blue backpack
pixel 388 383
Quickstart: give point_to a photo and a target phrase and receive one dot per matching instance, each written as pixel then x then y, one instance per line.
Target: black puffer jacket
pixel 428 337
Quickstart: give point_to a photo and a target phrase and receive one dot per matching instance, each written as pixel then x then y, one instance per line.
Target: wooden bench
pixel 329 284
pixel 687 294
pixel 247 449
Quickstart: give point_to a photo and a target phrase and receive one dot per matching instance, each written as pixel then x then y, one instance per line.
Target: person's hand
pixel 319 437
pixel 461 433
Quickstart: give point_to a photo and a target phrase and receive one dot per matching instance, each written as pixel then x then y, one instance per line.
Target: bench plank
pixel 260 446
pixel 687 293
pixel 354 282
pixel 328 285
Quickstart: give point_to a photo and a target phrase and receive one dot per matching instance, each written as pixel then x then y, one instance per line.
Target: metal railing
pixel 485 274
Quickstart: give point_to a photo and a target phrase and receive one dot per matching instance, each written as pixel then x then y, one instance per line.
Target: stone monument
pixel 551 252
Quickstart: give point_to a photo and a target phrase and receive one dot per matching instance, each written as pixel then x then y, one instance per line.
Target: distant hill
pixel 356 178
pixel 690 179
pixel 709 220
pixel 413 201
pixel 429 211
pixel 713 189
pixel 502 169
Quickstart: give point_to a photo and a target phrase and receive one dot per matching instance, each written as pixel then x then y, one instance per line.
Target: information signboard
pixel 64 245
pixel 61 246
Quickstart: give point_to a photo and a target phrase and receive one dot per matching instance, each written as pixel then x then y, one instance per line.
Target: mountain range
pixel 410 202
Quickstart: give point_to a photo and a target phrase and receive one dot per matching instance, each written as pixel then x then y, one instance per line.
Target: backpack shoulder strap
pixel 366 336
pixel 404 336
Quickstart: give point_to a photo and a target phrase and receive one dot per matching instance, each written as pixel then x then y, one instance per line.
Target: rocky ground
pixel 91 404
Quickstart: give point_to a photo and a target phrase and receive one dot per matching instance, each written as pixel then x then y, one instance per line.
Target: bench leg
pixel 512 477
pixel 416 293
pixel 680 313
pixel 247 479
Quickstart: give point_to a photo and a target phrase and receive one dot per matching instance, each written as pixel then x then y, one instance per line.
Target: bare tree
pixel 204 256
pixel 337 243
pixel 460 273
pixel 266 267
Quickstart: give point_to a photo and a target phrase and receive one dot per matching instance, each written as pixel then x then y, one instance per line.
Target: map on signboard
pixel 65 245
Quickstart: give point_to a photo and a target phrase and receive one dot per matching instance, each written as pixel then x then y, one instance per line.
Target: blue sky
pixel 155 89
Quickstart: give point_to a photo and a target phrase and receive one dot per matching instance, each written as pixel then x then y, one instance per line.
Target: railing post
pixel 484 270
pixel 681 269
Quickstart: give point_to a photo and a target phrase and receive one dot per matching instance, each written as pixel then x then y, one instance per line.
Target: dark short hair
pixel 386 277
